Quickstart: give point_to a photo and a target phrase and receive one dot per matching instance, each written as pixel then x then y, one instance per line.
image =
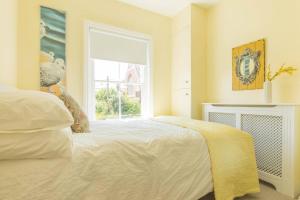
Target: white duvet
pixel 134 160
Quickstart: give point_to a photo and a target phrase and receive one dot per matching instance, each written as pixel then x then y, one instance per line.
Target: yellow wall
pixel 229 24
pixel 8 42
pixel 102 11
pixel 235 22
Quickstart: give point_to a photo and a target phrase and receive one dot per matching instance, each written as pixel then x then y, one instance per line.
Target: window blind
pixel 106 45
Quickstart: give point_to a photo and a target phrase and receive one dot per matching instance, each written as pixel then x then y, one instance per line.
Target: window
pixel 119 88
pixel 117 74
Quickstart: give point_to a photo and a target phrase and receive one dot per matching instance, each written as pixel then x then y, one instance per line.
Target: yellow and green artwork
pixel 52 50
pixel 248 66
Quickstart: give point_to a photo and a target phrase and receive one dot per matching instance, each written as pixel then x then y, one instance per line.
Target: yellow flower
pixel 283 69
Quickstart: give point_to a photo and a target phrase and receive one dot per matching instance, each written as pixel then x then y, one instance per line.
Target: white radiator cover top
pixel 275 130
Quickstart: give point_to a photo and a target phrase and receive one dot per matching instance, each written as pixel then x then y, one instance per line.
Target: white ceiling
pixel 167 7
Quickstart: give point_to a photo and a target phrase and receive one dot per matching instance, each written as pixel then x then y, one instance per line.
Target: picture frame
pixel 248 66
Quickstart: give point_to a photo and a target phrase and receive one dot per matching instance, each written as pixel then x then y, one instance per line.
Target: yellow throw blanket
pixel 232 157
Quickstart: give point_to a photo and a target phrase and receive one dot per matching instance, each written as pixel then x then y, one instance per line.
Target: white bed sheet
pixel 134 160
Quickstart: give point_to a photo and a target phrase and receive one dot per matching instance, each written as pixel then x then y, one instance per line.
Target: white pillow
pixel 29 111
pixel 37 145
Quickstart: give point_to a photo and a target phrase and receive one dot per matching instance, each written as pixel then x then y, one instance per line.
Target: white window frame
pixel 88 80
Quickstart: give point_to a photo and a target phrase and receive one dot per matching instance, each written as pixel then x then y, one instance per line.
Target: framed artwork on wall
pixel 248 66
pixel 52 50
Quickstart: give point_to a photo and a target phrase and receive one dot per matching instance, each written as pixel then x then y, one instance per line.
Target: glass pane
pixel 131 73
pixel 106 70
pixel 130 101
pixel 107 100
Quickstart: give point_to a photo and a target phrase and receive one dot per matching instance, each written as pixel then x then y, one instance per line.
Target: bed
pixel 130 160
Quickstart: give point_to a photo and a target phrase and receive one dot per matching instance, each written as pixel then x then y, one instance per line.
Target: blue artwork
pixel 52 50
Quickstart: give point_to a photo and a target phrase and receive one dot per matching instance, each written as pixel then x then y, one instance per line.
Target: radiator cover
pixel 267 133
pixel 276 139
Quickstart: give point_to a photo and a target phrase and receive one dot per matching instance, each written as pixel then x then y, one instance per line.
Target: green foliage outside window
pixel 107 104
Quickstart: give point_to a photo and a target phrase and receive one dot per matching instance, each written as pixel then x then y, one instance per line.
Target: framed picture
pixel 52 50
pixel 248 66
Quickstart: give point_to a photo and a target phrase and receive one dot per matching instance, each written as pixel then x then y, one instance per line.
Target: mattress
pixel 125 160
